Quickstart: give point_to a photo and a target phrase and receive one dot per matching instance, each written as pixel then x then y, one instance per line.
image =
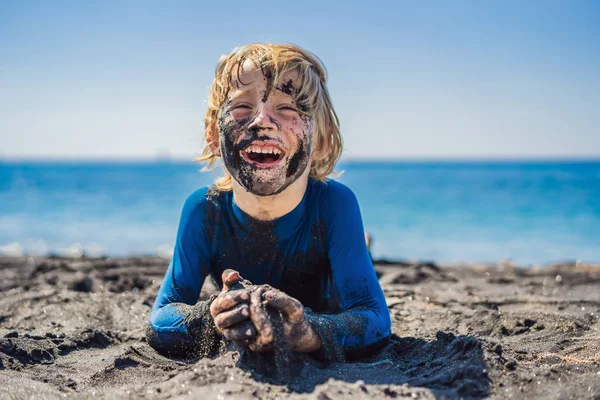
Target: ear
pixel 212 138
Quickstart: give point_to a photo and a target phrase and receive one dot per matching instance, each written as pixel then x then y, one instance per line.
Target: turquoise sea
pixel 532 212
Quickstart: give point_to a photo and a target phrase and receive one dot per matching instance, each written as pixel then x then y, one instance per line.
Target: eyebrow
pixel 240 93
pixel 287 87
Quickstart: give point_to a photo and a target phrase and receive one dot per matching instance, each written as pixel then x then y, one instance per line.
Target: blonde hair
pixel 312 98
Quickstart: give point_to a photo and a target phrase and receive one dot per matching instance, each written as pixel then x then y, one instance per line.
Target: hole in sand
pixel 450 366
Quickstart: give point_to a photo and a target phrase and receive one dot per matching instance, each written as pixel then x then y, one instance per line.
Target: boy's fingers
pixel 242 332
pixel 228 318
pixel 227 300
pixel 259 346
pixel 261 321
pixel 289 306
pixel 230 278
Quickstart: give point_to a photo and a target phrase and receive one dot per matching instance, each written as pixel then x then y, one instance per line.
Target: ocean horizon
pixel 534 211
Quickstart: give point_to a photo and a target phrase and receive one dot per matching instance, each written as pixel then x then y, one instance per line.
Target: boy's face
pixel 265 141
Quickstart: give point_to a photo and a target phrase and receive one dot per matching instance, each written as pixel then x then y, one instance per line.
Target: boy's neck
pixel 268 208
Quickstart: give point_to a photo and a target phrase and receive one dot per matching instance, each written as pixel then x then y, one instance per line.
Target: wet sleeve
pixel 180 325
pixel 364 324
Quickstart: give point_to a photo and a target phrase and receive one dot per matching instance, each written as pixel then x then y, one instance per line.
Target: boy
pixel 272 219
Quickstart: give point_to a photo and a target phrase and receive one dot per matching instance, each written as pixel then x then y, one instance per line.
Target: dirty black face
pixel 264 145
pixel 263 174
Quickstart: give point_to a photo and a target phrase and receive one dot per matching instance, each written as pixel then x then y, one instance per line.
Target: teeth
pixel 258 150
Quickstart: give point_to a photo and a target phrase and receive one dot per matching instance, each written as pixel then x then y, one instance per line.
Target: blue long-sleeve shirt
pixel 315 253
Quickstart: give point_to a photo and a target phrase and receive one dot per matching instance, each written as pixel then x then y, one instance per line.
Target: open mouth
pixel 266 156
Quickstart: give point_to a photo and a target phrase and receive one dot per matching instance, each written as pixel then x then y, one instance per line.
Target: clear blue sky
pixel 414 79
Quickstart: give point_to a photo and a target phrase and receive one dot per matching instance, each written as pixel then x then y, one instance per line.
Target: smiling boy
pixel 273 219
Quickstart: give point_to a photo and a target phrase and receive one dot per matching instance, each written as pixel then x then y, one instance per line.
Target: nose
pixel 264 118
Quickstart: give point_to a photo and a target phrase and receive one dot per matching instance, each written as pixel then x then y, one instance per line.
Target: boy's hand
pixel 264 328
pixel 297 331
pixel 230 309
pixel 250 323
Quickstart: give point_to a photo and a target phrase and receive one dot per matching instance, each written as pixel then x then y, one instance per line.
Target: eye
pixel 241 106
pixel 241 110
pixel 287 109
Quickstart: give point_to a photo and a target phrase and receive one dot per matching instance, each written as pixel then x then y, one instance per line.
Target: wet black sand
pixel 75 328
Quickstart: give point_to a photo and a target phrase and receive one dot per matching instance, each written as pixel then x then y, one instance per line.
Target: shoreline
pixel 74 254
pixel 74 327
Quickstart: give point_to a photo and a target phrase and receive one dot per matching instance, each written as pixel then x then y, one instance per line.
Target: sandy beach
pixel 75 328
